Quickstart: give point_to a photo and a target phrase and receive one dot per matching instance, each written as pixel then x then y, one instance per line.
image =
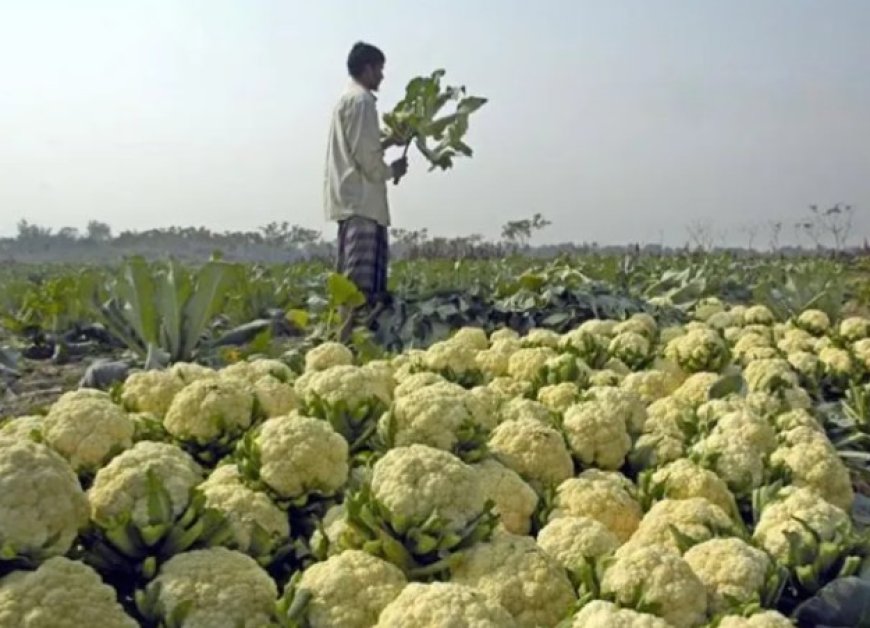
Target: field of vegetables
pixel 592 441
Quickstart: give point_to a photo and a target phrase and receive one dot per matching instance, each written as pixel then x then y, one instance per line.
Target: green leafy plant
pixel 415 119
pixel 162 312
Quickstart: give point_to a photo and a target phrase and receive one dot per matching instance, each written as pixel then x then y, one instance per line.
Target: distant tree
pixel 519 232
pixel 98 231
pixel 68 233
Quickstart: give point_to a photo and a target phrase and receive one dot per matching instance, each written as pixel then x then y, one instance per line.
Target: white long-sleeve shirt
pixel 355 182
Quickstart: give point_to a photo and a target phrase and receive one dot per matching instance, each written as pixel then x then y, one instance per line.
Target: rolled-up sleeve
pixel 363 134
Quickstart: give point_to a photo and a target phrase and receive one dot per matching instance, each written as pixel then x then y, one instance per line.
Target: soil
pixel 40 383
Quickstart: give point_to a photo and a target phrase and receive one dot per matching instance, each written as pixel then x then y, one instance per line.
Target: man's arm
pixel 364 137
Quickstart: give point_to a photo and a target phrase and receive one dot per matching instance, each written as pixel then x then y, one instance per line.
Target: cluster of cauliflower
pixel 619 474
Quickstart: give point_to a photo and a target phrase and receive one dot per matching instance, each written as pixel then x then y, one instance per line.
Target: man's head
pixel 365 63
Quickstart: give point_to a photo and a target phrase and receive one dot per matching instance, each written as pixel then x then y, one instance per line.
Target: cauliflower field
pixel 622 473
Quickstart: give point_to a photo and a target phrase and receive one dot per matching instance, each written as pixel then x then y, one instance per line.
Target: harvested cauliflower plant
pixel 691 472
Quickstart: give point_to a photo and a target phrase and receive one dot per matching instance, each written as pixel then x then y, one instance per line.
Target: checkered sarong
pixel 363 255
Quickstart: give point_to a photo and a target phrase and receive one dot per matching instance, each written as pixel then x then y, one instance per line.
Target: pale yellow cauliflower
pixel 327 355
pixel 602 614
pixel 559 397
pixel 42 506
pixel 121 491
pixel 732 571
pixel 572 541
pixel 474 337
pixel 601 497
pixel 349 590
pixel 763 619
pixel 596 434
pixel 684 479
pixel 694 518
pixel 663 580
pixel 256 523
pixel 150 391
pixel 631 348
pixel 778 521
pixel 439 415
pixel 526 364
pixel 87 429
pixel 515 501
pixel 61 593
pixel 217 586
pixel 299 455
pixel 210 410
pixel 413 482
pixel 443 605
pixel 534 450
pixel 512 571
pixel 812 461
pixel 769 375
pixel 855 328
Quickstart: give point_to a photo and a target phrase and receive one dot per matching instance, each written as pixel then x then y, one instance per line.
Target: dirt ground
pixel 41 382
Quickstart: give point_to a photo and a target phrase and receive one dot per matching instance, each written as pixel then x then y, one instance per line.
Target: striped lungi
pixel 363 255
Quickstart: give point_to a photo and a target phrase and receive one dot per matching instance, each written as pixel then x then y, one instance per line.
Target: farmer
pixel 355 186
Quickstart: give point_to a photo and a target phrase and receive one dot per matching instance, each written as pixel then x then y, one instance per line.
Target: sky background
pixel 619 120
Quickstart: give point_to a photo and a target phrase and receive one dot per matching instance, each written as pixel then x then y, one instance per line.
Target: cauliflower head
pixel 700 349
pixel 42 506
pixel 627 404
pixel 764 619
pixel 61 593
pixel 813 462
pixel 854 328
pixel 121 489
pixel 327 355
pixel 87 430
pixel 515 501
pixel 300 455
pixel 534 450
pixel 474 337
pixel 777 521
pixel 440 415
pixel 572 541
pixel 815 322
pixel 632 348
pixel 150 391
pixel 415 481
pixel 274 397
pixel 443 605
pixel 596 433
pixel 731 570
pixel 210 410
pixel 219 587
pixel 603 614
pixel 684 479
pixel 349 590
pixel 528 363
pixel 513 572
pixel 559 397
pixel 695 520
pixel 604 498
pixel 663 580
pixel 650 385
pixel 257 525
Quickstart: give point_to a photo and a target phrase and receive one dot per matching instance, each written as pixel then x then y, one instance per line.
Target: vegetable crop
pixel 622 472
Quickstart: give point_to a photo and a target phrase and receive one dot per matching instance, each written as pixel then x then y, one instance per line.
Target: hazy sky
pixel 619 120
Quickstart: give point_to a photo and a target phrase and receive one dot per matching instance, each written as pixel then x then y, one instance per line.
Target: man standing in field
pixel 355 186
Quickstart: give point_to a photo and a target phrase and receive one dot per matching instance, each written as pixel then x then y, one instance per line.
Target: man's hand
pixel 399 168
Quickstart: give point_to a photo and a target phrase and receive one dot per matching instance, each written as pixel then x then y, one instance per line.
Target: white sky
pixel 619 120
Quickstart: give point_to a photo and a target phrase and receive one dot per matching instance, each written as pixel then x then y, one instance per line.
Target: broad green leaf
pixel 343 292
pixel 207 292
pixel 140 309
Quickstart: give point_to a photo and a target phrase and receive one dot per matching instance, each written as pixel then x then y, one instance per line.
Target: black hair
pixel 361 55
